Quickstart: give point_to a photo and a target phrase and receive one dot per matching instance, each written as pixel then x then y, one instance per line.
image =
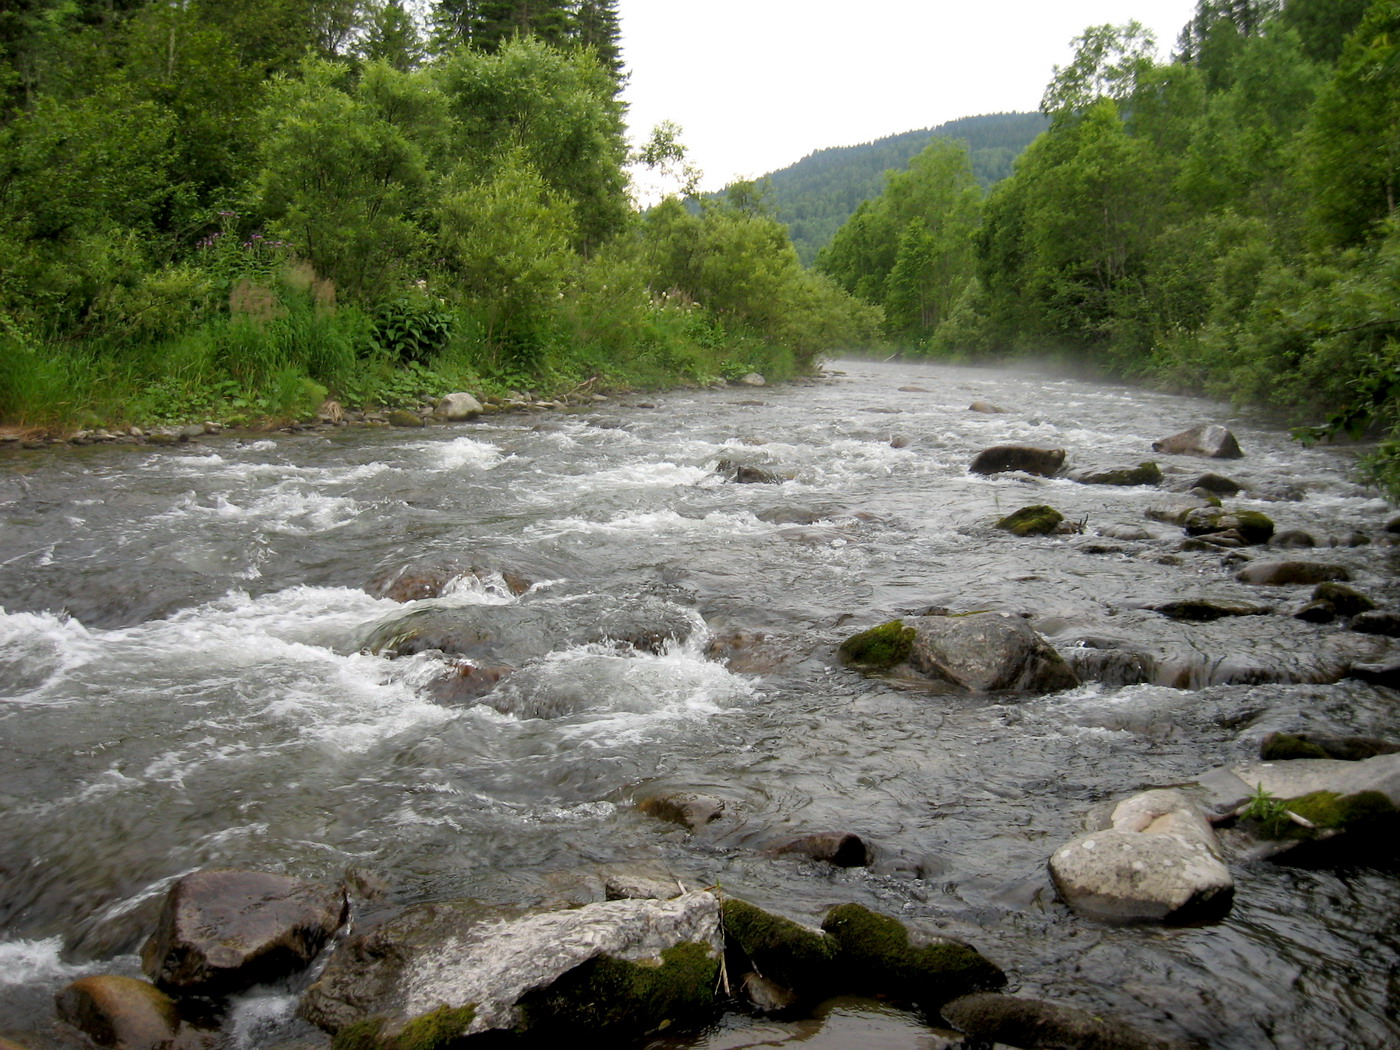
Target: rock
pixel 1217 484
pixel 766 996
pixel 1290 573
pixel 457 407
pixel 402 417
pixel 840 848
pixel 1174 513
pixel 746 475
pixel 509 635
pixel 1146 473
pixel 1039 520
pixel 689 811
pixel 880 648
pixel 1377 621
pixel 1157 862
pixel 461 968
pixel 986 652
pixel 1030 1023
pixel 1201 610
pixel 1252 526
pixel 631 885
pixel 795 956
pixel 1125 532
pixel 223 930
pixel 1211 440
pixel 1295 538
pixel 879 955
pixel 122 1012
pixel 1045 462
pixel 1316 612
pixel 987 407
pixel 1232 787
pixel 1384 672
pixel 1278 747
pixel 753 379
pixel 464 681
pixel 413 582
pixel 1346 600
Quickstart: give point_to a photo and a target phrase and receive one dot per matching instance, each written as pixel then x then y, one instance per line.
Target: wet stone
pixel 842 849
pixel 1045 462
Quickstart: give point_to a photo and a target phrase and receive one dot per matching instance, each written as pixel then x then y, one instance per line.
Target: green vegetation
pixel 879 648
pixel 1222 222
pixel 233 210
pixel 431 1031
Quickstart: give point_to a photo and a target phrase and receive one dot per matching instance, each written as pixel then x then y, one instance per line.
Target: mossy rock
pixel 1252 526
pixel 1346 600
pixel 431 1031
pixel 880 647
pixel 1330 811
pixel 1039 520
pixel 1283 747
pixel 1145 473
pixel 877 954
pixel 615 996
pixel 795 956
pixel 402 417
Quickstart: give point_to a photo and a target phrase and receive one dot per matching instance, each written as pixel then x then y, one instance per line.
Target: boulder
pixel 402 417
pixel 743 474
pixel 1158 861
pixel 1290 573
pixel 1174 513
pixel 689 811
pixel 1377 621
pixel 1210 440
pixel 1345 600
pixel 840 848
pixel 753 379
pixel 1032 1024
pixel 431 579
pixel 124 1013
pixel 1202 610
pixel 1252 526
pixel 986 407
pixel 1039 520
pixel 1217 484
pixel 1146 473
pixel 454 408
pixel 1293 538
pixel 461 968
pixel 879 955
pixel 221 931
pixel 1045 462
pixel 797 957
pixel 986 652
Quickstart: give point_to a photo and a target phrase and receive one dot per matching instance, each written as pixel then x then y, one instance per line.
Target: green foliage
pixel 410 328
pixel 1269 812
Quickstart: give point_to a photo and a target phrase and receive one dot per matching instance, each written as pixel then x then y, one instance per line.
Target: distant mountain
pixel 822 190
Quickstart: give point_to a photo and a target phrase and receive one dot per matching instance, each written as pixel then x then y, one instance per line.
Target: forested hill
pixel 822 190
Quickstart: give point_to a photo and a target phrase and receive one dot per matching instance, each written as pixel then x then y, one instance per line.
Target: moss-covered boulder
pixel 879 648
pixel 1145 473
pixel 1038 520
pixel 1377 621
pixel 1347 601
pixel 797 957
pixel 880 957
pixel 1251 525
pixel 1031 1023
pixel 1281 747
pixel 402 417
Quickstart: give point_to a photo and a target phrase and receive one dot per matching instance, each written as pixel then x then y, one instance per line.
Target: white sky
pixel 758 84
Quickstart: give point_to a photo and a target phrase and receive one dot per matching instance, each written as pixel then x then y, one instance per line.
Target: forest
pixel 230 210
pixel 233 210
pixel 1222 222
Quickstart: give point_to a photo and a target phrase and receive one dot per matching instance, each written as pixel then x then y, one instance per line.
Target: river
pixel 185 682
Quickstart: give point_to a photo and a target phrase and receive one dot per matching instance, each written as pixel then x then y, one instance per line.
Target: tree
pixel 1107 62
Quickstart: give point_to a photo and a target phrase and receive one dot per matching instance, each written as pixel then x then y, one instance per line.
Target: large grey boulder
pixel 1043 461
pixel 987 652
pixel 457 407
pixel 465 968
pixel 1210 440
pixel 1158 861
pixel 221 931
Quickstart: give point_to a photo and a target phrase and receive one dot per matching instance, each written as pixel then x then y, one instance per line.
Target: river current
pixel 187 680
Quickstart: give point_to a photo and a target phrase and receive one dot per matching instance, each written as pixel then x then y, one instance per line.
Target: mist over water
pixel 189 678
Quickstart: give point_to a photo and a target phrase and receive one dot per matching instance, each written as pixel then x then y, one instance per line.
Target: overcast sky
pixel 758 84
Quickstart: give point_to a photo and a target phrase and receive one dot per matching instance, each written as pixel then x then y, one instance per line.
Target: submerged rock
pixel 986 407
pixel 1039 520
pixel 1290 573
pixel 1377 621
pixel 402 417
pixel 1158 861
pixel 1146 473
pixel 1203 610
pixel 1045 462
pixel 840 848
pixel 689 811
pixel 1210 440
pixel 1035 1025
pixel 224 930
pixel 416 581
pixel 462 968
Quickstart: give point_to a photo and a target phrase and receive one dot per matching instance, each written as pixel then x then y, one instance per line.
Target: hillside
pixel 821 191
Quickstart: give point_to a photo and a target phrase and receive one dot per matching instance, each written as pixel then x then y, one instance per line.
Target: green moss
pixel 431 1031
pixel 1032 521
pixel 1280 747
pixel 875 949
pixel 782 950
pixel 1346 600
pixel 880 647
pixel 1252 525
pixel 615 995
pixel 1330 811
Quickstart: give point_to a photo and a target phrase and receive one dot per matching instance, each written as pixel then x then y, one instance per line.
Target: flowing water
pixel 189 677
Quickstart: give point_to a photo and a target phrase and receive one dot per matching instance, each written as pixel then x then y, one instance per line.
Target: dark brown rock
pixel 1377 621
pixel 840 848
pixel 1045 462
pixel 408 583
pixel 689 811
pixel 1217 484
pixel 223 930
pixel 1034 1025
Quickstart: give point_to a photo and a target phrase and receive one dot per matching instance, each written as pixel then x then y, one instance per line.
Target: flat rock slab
pixel 223 930
pixel 1157 862
pixel 460 955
